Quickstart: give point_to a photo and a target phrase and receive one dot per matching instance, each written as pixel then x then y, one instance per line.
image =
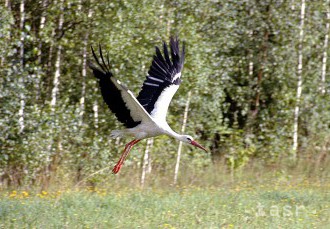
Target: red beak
pixel 198 145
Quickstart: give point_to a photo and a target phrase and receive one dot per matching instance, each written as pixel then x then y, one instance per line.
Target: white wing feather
pixel 137 112
pixel 161 106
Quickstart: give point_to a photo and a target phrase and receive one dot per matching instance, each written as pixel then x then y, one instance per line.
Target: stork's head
pixel 188 139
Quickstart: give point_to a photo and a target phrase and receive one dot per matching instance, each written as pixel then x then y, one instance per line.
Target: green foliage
pixel 241 65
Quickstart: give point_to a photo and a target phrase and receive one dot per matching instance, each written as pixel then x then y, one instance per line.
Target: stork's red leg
pixel 125 153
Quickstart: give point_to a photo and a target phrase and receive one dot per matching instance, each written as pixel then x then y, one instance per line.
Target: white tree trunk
pixel 146 166
pixel 84 70
pixel 50 57
pixel 21 79
pixel 56 81
pixel 96 114
pixel 57 75
pixel 293 5
pixel 83 86
pixel 54 95
pixel 21 27
pixel 79 5
pixel 325 50
pixel 43 15
pixel 299 81
pixel 41 27
pixel 185 118
pixel 251 66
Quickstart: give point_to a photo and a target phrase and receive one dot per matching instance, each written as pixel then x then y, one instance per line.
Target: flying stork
pixel 145 115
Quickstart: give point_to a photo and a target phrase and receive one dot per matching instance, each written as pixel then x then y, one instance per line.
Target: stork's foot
pixel 117 167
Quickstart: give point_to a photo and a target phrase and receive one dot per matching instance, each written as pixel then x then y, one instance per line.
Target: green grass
pixel 276 196
pixel 243 204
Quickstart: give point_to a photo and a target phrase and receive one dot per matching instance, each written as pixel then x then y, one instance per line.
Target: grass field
pixel 271 202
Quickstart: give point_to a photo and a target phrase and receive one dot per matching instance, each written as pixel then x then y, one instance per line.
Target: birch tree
pixel 185 118
pixel 325 50
pixel 299 81
pixel 57 75
pixel 54 94
pixel 239 64
pixel 21 79
pixel 40 35
pixel 84 68
pixel 7 3
pixel 146 166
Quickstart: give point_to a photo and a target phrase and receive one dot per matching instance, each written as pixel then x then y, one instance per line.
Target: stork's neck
pixel 173 134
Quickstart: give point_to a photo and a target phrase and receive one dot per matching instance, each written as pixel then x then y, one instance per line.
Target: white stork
pixel 144 116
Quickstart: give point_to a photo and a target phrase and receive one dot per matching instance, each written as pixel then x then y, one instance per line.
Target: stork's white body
pixel 144 116
pixel 148 130
pixel 153 124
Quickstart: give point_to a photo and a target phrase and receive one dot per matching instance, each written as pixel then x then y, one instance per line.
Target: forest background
pixel 255 85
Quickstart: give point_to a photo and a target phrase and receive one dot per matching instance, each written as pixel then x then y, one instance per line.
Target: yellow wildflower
pixel 13 194
pixel 25 194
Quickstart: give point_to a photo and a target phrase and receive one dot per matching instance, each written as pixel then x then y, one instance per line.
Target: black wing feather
pixel 159 57
pixel 167 57
pixel 111 94
pixel 161 73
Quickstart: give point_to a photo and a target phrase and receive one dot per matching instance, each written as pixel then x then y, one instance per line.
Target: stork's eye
pixel 189 139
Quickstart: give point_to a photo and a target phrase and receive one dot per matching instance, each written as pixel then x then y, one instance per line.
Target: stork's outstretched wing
pixel 119 99
pixel 163 80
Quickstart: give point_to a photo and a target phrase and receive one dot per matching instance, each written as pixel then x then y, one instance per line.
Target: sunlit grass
pixel 253 197
pixel 242 204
